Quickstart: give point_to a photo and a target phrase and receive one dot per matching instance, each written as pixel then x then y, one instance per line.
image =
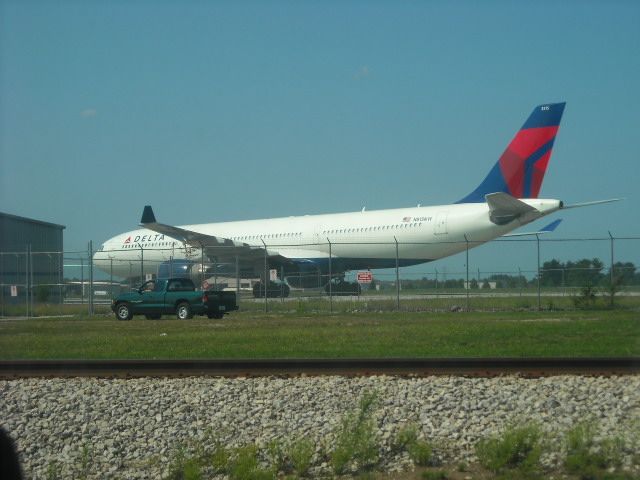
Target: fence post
pixel 81 281
pixel 141 264
pixel 467 262
pixel 61 280
pixel 281 283
pixel 1 284
pixel 237 280
pixel 266 276
pixel 520 280
pixel 26 278
pixel 330 278
pixel 436 283
pixel 202 265
pixel 611 273
pixel 31 282
pixel 538 248
pixel 90 277
pixel 111 275
pixel 397 275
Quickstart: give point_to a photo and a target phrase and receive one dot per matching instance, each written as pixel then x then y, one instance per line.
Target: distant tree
pixel 624 273
pixel 486 285
pixel 584 272
pixel 473 284
pixel 551 274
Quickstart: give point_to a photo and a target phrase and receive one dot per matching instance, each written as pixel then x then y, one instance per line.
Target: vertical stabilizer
pixel 521 168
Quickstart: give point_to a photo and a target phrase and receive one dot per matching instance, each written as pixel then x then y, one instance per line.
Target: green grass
pixel 290 335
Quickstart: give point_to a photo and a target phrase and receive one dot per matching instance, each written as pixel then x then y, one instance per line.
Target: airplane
pixel 314 249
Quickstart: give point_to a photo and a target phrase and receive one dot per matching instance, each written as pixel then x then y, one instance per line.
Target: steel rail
pixel 533 367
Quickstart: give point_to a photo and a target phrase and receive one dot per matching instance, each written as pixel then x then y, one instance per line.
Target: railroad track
pixel 480 367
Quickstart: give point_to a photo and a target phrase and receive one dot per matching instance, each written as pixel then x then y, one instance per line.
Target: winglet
pixel 147 215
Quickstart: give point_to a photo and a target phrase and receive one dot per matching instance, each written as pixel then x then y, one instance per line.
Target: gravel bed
pixel 132 428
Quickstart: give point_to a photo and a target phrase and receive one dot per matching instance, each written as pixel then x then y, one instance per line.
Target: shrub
pixel 86 455
pixel 245 465
pixel 587 457
pixel 435 475
pixel 300 454
pixel 406 436
pixel 356 439
pixel 277 456
pixel 220 459
pixel 519 447
pixel 419 451
pixel 587 297
pixel 53 470
pixel 183 467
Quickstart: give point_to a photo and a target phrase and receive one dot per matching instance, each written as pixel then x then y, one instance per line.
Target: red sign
pixel 365 277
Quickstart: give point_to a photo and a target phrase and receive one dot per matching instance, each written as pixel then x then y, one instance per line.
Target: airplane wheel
pixel 183 311
pixel 123 312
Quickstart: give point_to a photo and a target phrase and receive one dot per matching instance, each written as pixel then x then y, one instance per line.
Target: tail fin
pixel 521 168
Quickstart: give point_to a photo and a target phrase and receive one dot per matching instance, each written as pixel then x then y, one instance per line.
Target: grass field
pixel 299 335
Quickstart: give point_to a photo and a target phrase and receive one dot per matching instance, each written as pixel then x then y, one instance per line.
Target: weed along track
pixel 474 367
pixel 329 426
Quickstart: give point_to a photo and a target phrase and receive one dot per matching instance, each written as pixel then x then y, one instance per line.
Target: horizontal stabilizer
pixel 504 208
pixel 551 227
pixel 547 229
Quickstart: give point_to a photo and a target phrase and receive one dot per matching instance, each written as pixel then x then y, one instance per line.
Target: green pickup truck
pixel 175 295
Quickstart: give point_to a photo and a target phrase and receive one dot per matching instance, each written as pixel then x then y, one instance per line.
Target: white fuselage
pixel 364 239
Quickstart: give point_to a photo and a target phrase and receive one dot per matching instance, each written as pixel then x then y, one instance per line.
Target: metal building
pixel 31 259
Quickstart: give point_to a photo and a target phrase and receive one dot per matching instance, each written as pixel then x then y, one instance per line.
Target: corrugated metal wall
pixel 40 271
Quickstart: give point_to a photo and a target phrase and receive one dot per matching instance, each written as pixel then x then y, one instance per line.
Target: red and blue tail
pixel 521 168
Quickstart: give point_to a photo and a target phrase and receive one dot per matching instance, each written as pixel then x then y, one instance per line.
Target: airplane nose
pixel 101 260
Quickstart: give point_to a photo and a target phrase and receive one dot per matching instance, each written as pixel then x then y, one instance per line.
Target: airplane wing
pixel 213 246
pixel 224 248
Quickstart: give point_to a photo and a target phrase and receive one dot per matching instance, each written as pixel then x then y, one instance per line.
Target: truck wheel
pixel 183 311
pixel 123 312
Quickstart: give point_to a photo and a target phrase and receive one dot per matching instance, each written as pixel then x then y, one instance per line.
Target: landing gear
pixel 340 287
pixel 274 290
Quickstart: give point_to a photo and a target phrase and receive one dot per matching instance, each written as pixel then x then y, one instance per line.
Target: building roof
pixel 31 220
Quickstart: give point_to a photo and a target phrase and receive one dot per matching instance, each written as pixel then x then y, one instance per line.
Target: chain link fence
pixel 539 277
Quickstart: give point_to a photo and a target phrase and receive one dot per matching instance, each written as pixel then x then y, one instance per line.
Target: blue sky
pixel 214 111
